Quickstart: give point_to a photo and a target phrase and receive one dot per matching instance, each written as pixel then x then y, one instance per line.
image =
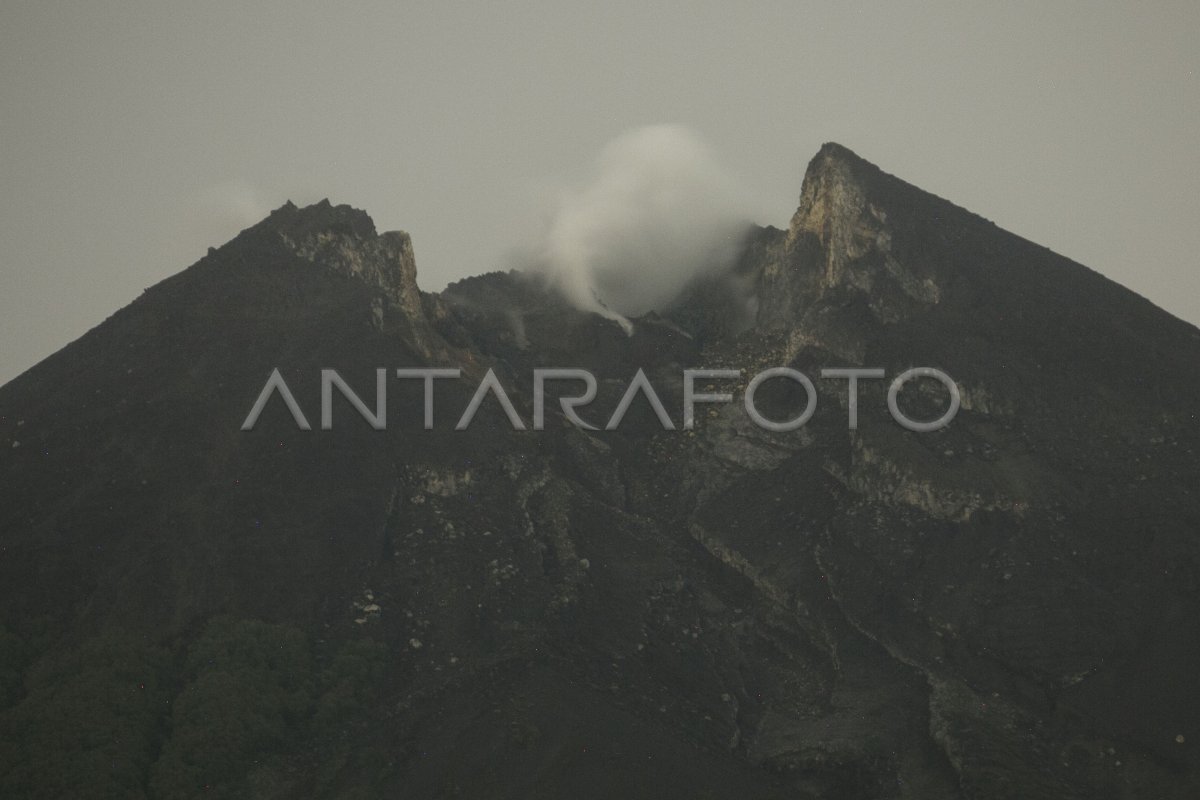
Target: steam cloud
pixel 658 212
pixel 233 203
pixel 223 209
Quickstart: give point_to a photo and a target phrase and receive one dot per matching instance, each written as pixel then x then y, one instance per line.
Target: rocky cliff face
pixel 1003 608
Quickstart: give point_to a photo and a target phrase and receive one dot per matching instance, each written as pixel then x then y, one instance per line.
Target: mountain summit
pixel 1001 608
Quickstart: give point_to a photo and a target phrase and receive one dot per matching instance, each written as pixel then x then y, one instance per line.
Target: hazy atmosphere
pixel 135 135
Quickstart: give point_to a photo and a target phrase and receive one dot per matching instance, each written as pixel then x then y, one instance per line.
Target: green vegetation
pixel 88 724
pixel 12 665
pixel 226 716
pixel 249 688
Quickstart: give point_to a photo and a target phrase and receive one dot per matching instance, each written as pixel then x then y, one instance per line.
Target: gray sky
pixel 133 135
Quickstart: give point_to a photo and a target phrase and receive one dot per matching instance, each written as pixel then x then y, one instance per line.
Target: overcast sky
pixel 135 134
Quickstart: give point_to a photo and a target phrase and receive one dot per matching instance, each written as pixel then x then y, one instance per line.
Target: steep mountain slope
pixel 1002 608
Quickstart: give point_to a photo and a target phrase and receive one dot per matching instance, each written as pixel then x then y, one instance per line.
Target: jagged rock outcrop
pixel 344 239
pixel 980 556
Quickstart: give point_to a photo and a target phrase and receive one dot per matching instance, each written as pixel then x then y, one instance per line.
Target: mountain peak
pixel 840 207
pixel 869 239
pixel 323 217
pixel 832 151
pixel 835 161
pixel 344 239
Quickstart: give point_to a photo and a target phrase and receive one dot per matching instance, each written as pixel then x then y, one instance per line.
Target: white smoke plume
pixel 233 204
pixel 658 212
pixel 220 211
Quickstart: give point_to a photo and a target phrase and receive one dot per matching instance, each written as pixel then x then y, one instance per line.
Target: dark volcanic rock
pixel 1002 608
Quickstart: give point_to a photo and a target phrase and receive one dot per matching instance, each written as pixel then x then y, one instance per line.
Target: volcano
pixel 1003 607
